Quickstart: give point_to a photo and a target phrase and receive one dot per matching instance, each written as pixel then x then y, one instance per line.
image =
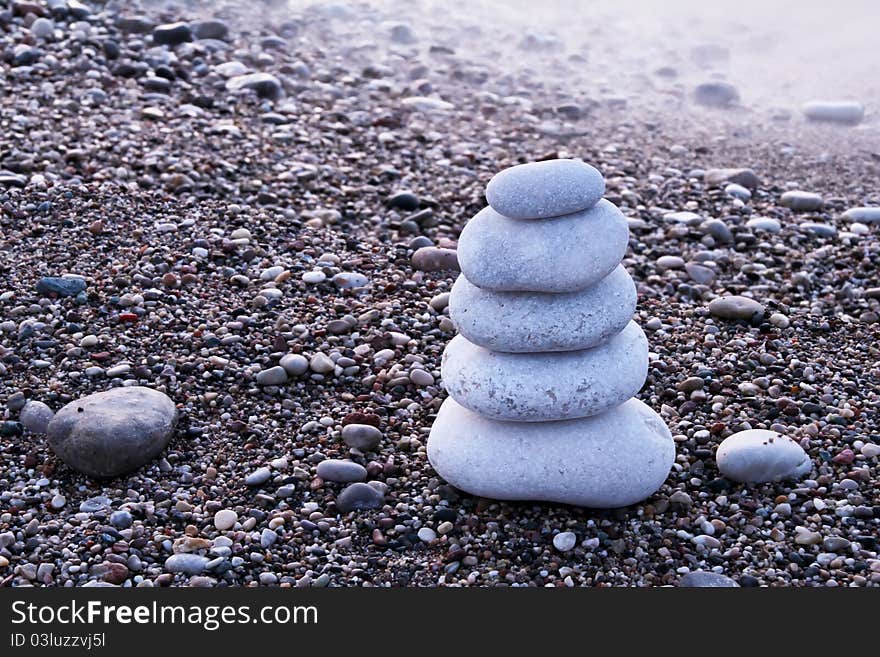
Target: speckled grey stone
pixel 546 386
pixel 865 215
pixel 361 436
pixel 114 432
pixel 561 254
pixel 736 307
pixel 538 190
pixel 701 579
pixel 64 286
pixel 359 497
pixel 274 376
pixel 846 113
pixel 537 321
pixel 758 456
pixel 609 460
pixel 188 564
pixel 35 416
pixel 265 85
pixel 434 258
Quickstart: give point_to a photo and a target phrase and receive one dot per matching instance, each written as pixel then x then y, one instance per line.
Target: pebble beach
pixel 254 210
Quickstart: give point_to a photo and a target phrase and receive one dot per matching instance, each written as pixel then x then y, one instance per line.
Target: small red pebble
pixel 846 456
pixel 128 317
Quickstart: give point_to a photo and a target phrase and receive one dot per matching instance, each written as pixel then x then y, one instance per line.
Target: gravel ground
pixel 193 211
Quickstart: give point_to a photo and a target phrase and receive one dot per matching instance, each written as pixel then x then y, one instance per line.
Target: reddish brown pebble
pixel 358 417
pixel 845 457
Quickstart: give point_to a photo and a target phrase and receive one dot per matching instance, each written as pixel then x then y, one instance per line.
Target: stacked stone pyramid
pixel 542 375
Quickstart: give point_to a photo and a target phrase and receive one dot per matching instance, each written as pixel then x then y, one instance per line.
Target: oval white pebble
pixel 225 519
pixel 314 277
pixel 758 455
pixel 565 541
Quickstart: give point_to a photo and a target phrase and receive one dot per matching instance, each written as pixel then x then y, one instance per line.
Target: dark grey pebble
pixel 211 29
pixel 404 201
pixel 358 497
pixel 63 287
pixel 172 34
pixel 121 519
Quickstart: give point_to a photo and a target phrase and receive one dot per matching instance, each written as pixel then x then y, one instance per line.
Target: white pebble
pixel 564 541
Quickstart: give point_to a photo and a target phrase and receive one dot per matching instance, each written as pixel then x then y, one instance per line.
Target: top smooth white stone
pixel 539 190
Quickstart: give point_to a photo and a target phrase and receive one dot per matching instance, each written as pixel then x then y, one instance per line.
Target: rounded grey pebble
pixel 435 258
pixel 265 85
pixel 294 364
pixel 536 321
pixel 361 436
pixel 274 376
pixel 16 401
pixel 716 94
pixel 114 432
pixel 764 224
pixel 800 201
pixel 258 477
pixel 35 417
pixel 702 579
pixel 42 28
pixel 121 519
pixel 718 230
pixel 359 497
pixel 348 280
pixel 565 541
pixel 537 387
pixel 700 273
pixel 845 112
pixel 560 254
pixel 421 378
pixel 865 215
pixel 188 564
pixel 551 188
pixel 736 307
pixel 823 230
pixel 745 177
pixel 341 471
